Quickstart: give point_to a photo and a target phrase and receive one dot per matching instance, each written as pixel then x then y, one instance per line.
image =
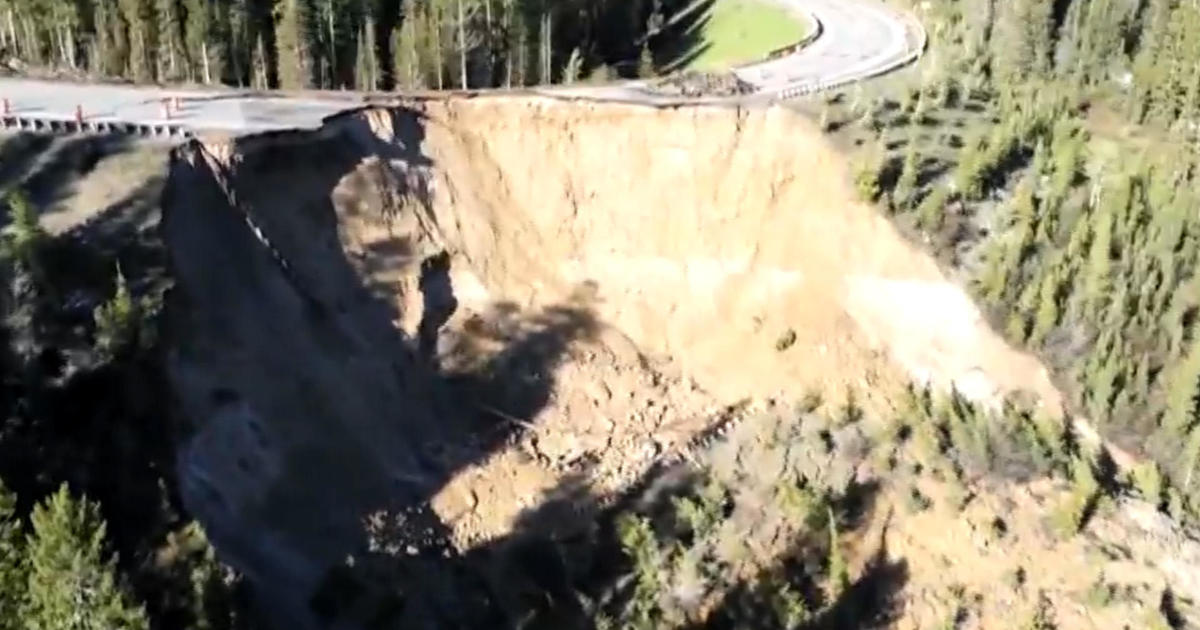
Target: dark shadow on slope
pixel 511 385
pixel 134 215
pixel 97 422
pixel 280 347
pixel 562 569
pixel 81 264
pixel 274 332
pixel 67 161
pixel 19 152
pixel 683 41
pixel 871 601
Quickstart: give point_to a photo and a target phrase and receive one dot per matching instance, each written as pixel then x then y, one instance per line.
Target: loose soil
pixel 477 304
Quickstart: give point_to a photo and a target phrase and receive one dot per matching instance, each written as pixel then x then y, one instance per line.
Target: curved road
pixel 857 39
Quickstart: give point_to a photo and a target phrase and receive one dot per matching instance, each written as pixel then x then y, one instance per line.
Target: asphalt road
pixel 858 39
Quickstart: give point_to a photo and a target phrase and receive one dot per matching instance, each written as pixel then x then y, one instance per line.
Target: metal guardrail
pixel 791 49
pixel 914 52
pixel 53 124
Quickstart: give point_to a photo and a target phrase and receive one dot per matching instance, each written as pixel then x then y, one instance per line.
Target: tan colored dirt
pixel 623 278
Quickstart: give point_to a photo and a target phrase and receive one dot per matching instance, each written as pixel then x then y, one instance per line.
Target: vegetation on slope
pixel 1000 157
pixel 92 532
pixel 1078 235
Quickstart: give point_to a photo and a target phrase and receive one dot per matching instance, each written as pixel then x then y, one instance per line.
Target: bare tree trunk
pixel 332 46
pixel 99 56
pixel 12 33
pixel 204 56
pixel 489 43
pixel 523 56
pixel 72 56
pixel 62 44
pixel 437 45
pixel 141 47
pixel 414 60
pixel 173 69
pixel 367 46
pixel 31 47
pixel 544 52
pixel 508 56
pixel 462 45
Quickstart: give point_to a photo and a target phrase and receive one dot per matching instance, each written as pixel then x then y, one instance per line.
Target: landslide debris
pixel 441 317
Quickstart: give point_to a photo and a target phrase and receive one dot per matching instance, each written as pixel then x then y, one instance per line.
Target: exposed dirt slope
pixel 468 302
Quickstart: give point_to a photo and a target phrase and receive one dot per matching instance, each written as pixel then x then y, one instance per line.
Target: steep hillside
pixel 478 306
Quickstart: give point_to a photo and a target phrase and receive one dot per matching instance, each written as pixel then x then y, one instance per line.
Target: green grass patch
pixel 740 31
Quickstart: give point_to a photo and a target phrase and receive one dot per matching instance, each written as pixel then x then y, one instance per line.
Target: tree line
pixel 340 44
pixel 1077 232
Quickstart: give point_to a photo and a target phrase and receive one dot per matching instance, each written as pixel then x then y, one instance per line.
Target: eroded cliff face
pixel 300 396
pixel 461 303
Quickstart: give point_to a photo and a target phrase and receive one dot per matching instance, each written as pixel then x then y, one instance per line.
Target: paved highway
pixel 857 39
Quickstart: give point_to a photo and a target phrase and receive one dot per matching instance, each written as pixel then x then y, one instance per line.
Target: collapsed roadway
pixel 854 40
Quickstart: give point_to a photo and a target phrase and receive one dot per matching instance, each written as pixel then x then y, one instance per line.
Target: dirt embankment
pixel 465 303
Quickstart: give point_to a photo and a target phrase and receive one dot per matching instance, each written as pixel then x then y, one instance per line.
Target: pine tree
pixel 137 15
pixel 170 43
pixel 329 19
pixel 211 602
pixel 839 574
pixel 1189 459
pixel 1022 52
pixel 117 321
pixel 365 73
pixel 1149 71
pixel 293 45
pixel 406 47
pixel 110 37
pixel 13 568
pixel 1096 280
pixel 932 210
pixel 1047 314
pixel 234 18
pixel 71 584
pixel 574 68
pixel 646 67
pixel 199 32
pixel 1183 393
pixel 24 236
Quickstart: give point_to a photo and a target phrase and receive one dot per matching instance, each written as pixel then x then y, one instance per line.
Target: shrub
pixel 1042 617
pixel 1100 594
pixel 24 236
pixel 839 573
pixel 916 501
pixel 118 321
pixel 906 184
pixel 1071 516
pixel 1148 481
pixel 931 211
pixel 786 340
pixel 866 181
